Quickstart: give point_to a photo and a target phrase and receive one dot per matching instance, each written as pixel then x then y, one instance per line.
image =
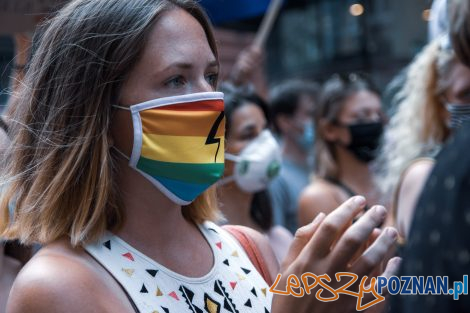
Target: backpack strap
pixel 251 249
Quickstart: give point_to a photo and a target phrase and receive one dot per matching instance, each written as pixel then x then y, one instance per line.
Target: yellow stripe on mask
pixel 180 123
pixel 181 149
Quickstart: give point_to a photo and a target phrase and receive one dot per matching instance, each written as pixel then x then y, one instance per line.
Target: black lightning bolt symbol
pixel 211 137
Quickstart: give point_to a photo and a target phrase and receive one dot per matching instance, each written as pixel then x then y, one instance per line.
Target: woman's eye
pixel 175 82
pixel 464 97
pixel 212 79
pixel 247 136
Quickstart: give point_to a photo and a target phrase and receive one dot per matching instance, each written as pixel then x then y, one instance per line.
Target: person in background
pixel 438 242
pixel 437 85
pixel 248 59
pixel 438 20
pixel 106 173
pixel 292 105
pixel 349 123
pixel 253 159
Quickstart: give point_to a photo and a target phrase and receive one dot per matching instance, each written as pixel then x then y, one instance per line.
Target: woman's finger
pixel 302 237
pixel 375 234
pixel 332 226
pixel 356 236
pixel 374 255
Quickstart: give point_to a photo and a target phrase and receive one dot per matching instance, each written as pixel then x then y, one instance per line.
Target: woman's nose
pixel 202 85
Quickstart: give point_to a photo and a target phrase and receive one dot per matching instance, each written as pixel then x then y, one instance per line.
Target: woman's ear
pixel 283 122
pixel 328 130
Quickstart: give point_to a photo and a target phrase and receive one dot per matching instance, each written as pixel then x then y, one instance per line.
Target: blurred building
pixel 317 38
pixel 311 38
pixel 6 55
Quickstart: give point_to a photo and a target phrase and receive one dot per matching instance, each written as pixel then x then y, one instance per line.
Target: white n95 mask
pixel 257 164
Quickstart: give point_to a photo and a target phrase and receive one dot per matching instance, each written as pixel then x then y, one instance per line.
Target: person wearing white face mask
pixel 292 105
pixel 135 80
pixel 253 160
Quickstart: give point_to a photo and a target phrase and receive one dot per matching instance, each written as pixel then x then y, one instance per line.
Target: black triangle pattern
pixel 245 270
pixel 228 302
pixel 152 272
pixel 188 295
pixel 107 244
pixel 165 309
pixel 266 310
pixel 143 289
pixel 253 291
pixel 226 262
pixel 248 303
pixel 217 289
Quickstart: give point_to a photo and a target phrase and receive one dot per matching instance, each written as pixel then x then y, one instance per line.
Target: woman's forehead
pixel 177 37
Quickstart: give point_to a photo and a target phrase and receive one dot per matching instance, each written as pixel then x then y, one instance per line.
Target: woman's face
pixel 246 123
pixel 459 85
pixel 177 60
pixel 360 108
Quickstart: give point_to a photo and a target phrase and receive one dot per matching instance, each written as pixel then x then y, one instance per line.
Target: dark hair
pixel 460 29
pixel 261 210
pixel 235 97
pixel 284 98
pixel 332 98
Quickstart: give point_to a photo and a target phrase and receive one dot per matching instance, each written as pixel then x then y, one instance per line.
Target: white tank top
pixel 232 285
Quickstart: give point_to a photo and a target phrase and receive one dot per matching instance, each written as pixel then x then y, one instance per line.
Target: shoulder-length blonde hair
pixel 418 127
pixel 59 173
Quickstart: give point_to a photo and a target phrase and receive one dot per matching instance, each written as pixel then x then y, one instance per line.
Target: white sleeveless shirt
pixel 232 285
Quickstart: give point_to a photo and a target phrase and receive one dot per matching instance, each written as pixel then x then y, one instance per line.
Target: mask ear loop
pixel 225 180
pixel 120 107
pixel 228 179
pixel 121 153
pixel 232 157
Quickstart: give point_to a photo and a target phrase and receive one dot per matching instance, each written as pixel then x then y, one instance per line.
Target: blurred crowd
pixel 306 147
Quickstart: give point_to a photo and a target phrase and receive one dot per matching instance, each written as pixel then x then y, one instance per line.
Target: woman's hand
pixel 247 62
pixel 329 245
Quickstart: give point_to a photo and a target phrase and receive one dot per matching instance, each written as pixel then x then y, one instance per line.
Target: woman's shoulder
pixel 262 244
pixel 60 278
pixel 280 232
pixel 320 187
pixel 280 239
pixel 319 196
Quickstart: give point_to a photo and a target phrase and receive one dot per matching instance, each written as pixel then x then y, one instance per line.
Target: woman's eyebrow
pixel 188 65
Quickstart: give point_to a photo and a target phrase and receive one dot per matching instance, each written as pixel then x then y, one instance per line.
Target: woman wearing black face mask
pixel 349 122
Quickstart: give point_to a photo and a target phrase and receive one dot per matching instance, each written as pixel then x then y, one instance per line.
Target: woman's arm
pixel 409 191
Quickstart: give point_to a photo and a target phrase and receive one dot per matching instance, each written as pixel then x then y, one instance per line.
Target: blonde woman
pixel 117 139
pixel 437 84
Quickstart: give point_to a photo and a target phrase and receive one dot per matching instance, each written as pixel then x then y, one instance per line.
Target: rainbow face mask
pixel 179 143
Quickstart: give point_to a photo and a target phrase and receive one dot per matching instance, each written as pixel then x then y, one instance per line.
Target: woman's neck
pixel 294 152
pixel 353 172
pixel 236 205
pixel 156 227
pixel 149 215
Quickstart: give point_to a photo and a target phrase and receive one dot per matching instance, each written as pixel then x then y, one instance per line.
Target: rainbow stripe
pixel 183 146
